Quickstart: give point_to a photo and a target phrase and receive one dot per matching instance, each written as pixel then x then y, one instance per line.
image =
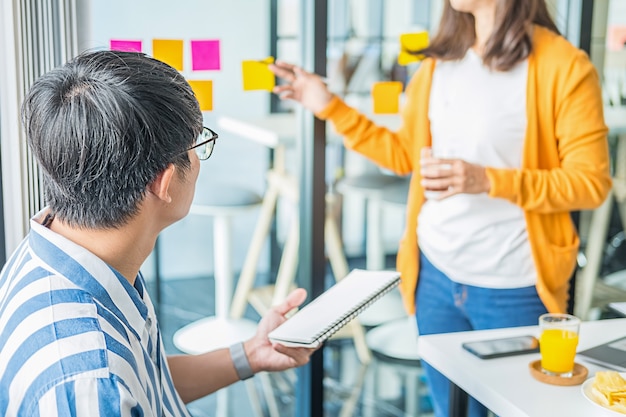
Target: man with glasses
pixel 119 138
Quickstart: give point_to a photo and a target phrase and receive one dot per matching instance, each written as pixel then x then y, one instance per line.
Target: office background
pixel 357 30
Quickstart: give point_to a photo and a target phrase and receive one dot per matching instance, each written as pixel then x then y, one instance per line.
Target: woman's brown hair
pixel 510 42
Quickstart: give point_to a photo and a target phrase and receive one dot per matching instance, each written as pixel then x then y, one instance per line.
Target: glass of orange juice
pixel 557 343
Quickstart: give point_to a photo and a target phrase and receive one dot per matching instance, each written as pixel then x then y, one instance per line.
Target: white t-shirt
pixel 478 115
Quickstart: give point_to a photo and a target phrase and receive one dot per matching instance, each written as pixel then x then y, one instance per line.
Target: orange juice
pixel 558 348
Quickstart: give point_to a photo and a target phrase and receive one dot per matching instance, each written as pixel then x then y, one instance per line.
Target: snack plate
pixel 586 389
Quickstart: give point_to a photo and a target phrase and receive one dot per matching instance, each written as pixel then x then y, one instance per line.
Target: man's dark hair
pixel 102 127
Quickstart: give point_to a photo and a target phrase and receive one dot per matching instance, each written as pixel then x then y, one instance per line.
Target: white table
pixel 505 385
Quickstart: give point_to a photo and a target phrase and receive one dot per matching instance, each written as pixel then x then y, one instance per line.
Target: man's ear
pixel 161 184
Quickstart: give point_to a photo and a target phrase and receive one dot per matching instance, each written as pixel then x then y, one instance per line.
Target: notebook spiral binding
pixel 333 328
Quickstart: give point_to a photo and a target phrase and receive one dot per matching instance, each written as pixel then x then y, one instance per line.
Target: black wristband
pixel 240 361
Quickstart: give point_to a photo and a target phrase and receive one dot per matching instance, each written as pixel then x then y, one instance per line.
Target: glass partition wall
pixel 360 48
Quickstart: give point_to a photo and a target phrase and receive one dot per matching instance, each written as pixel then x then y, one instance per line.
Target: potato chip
pixel 609 389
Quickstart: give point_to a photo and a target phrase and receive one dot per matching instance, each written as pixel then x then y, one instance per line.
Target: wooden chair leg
pixel 375 253
pixel 360 345
pixel 269 394
pixel 255 401
pixel 334 248
pixel 288 263
pixel 349 405
pixel 249 269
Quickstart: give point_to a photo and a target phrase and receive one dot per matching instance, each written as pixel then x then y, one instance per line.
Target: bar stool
pixel 223 202
pixel 371 187
pixel 391 193
pixel 281 185
pixel 394 344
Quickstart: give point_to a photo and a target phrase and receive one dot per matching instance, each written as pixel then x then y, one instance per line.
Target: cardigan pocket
pixel 558 264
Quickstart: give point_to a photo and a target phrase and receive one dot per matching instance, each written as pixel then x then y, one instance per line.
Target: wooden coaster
pixel 578 377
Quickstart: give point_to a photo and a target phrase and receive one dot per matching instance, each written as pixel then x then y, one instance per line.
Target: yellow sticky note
pixel 386 97
pixel 169 51
pixel 257 76
pixel 411 42
pixel 203 89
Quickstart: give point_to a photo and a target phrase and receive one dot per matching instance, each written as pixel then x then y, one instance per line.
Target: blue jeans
pixel 444 306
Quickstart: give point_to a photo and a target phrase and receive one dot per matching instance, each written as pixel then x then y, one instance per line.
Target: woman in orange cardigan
pixel 503 130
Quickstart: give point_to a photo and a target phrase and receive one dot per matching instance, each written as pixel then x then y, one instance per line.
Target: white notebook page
pixel 335 307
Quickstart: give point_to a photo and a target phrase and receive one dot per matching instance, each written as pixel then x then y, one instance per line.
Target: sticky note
pixel 203 89
pixel 257 76
pixel 616 37
pixel 169 51
pixel 124 45
pixel 205 55
pixel 411 42
pixel 386 97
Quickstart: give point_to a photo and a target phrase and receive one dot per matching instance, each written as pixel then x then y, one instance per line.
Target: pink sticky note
pixel 205 55
pixel 616 37
pixel 125 45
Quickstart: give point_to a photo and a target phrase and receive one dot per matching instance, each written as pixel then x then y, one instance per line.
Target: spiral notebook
pixel 334 308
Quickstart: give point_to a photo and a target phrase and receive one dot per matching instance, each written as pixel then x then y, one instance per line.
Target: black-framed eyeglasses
pixel 204 144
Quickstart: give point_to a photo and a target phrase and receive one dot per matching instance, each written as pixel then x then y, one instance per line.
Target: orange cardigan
pixel 565 165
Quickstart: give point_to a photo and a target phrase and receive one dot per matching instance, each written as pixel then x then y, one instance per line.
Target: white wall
pixel 617 12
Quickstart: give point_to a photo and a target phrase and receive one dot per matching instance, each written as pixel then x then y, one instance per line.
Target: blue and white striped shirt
pixel 76 338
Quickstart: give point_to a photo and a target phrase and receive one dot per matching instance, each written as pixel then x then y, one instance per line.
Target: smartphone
pixel 497 348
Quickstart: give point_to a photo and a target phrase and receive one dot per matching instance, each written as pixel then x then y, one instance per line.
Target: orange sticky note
pixel 257 76
pixel 203 89
pixel 169 51
pixel 411 42
pixel 386 97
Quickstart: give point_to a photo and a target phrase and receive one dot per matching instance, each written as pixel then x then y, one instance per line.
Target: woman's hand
pixel 307 89
pixel 265 356
pixel 451 176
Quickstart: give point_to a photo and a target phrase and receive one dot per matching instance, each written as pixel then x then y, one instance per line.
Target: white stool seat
pixel 617 279
pixel 224 200
pixel 395 340
pixel 395 344
pixel 391 191
pixel 212 333
pixel 367 185
pixel 396 193
pixel 388 308
pixel 372 188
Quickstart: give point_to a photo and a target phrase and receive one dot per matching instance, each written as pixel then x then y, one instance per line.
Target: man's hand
pixel 265 356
